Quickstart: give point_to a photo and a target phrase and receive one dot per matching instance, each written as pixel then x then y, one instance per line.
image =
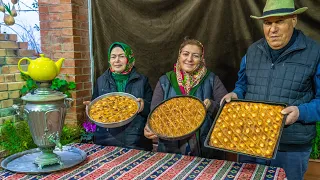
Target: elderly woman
pixel 123 77
pixel 190 77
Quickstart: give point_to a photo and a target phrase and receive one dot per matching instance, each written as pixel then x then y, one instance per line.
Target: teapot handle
pixel 24 72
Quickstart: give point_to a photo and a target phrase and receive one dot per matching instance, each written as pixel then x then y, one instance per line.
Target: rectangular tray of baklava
pixel 247 127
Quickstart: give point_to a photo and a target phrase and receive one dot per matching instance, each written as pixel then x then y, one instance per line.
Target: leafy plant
pixel 315 153
pixel 57 84
pixel 63 86
pixel 87 133
pixel 30 84
pixel 70 134
pixel 16 136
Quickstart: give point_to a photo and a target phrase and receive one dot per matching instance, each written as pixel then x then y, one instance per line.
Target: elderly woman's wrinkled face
pixel 118 59
pixel 278 30
pixel 190 57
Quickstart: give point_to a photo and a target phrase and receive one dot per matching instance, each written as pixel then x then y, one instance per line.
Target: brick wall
pixel 10 80
pixel 64 33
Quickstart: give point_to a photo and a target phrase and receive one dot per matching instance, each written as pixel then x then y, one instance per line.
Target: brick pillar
pixel 10 79
pixel 64 33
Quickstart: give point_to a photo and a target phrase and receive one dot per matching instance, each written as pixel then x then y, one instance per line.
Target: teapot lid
pixel 43 58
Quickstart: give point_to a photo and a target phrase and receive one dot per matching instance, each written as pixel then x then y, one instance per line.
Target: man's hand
pixel 207 103
pixel 148 133
pixel 228 97
pixel 139 100
pixel 293 114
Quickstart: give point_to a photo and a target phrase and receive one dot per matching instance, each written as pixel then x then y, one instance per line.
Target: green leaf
pixel 30 83
pixel 68 93
pixel 24 90
pixel 24 76
pixel 62 83
pixel 72 86
pixel 54 87
pixel 7 7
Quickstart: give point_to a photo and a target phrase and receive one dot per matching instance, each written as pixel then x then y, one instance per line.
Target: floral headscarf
pixel 128 53
pixel 186 81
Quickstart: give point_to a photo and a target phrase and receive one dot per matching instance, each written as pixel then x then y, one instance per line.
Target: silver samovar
pixel 45 112
pixel 45 109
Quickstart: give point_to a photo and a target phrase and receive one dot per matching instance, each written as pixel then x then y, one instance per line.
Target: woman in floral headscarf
pixel 190 77
pixel 123 77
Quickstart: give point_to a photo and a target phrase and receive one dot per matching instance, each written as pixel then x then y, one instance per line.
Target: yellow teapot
pixel 42 69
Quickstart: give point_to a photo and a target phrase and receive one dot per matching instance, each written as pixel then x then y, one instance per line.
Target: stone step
pixel 23 45
pixel 11 69
pixel 12 77
pixel 11 60
pixel 4 95
pixel 8 45
pixel 8 37
pixel 17 53
pixel 3 87
pixel 15 85
pixel 3 78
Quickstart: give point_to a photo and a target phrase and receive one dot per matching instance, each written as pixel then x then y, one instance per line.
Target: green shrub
pixel 315 153
pixel 70 134
pixel 16 137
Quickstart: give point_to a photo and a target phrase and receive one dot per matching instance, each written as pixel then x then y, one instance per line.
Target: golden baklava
pixel 248 127
pixel 177 117
pixel 113 109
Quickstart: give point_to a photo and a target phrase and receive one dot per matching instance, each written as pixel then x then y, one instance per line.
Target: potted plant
pixel 314 162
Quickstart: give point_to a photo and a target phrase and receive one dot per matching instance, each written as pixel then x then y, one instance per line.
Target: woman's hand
pixel 141 102
pixel 149 134
pixel 207 103
pixel 228 97
pixel 86 103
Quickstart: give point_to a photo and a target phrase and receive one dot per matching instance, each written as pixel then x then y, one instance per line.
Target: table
pixel 108 162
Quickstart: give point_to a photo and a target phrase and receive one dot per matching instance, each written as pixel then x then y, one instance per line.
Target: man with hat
pixel 284 67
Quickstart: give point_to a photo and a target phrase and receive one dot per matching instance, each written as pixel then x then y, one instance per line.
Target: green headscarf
pixel 128 53
pixel 121 79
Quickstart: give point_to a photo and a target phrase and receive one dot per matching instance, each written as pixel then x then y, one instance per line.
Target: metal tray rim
pixel 206 142
pixel 180 137
pixel 114 124
pixel 10 158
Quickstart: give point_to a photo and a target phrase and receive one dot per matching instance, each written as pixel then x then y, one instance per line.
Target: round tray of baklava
pixel 113 110
pixel 177 118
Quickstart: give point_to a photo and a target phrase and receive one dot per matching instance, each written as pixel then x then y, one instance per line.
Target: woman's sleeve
pixel 157 97
pixel 218 92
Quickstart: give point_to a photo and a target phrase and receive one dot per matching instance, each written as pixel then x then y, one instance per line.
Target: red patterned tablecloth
pixel 108 162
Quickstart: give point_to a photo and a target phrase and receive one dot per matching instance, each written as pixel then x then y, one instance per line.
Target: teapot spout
pixel 59 64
